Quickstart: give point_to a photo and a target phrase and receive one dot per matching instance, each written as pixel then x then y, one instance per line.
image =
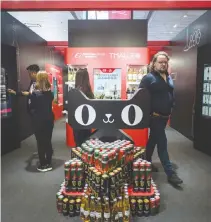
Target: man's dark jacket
pixel 161 91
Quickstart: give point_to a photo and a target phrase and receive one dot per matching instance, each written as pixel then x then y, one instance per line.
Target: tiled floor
pixel 29 196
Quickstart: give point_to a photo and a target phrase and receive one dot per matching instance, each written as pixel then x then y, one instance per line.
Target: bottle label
pixel 116 217
pixel 82 210
pixel 120 214
pixel 127 213
pixel 86 213
pixel 98 215
pixel 106 215
pixel 92 214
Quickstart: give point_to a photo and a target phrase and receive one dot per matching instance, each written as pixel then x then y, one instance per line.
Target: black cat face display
pixel 84 113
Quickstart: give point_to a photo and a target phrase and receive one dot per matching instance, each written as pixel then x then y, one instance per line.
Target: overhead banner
pixel 112 55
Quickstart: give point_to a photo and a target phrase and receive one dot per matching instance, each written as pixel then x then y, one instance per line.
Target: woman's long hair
pixel 155 57
pixel 42 82
pixel 82 83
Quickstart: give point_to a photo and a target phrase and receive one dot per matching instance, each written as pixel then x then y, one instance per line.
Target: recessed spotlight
pixel 175 26
pixel 64 30
pixel 171 32
pixel 185 16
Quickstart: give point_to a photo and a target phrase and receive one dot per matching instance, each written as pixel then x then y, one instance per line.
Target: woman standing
pixel 82 83
pixel 43 120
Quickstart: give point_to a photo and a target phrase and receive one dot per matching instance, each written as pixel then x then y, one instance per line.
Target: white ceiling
pixel 53 26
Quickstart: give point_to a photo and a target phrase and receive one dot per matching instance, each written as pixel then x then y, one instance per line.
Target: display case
pixel 72 69
pixel 134 75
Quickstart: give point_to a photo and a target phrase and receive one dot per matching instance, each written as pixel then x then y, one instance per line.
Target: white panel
pixel 140 14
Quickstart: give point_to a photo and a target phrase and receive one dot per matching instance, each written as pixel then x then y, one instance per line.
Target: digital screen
pixel 6 109
pixel 55 89
pixel 206 99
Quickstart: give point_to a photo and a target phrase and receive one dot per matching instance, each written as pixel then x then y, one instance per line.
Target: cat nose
pixel 108 115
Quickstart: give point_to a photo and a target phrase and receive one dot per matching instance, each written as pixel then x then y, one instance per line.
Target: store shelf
pixel 133 83
pixel 69 83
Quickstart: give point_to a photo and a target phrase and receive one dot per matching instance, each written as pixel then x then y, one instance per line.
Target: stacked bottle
pixel 146 205
pixel 74 175
pixel 105 208
pixel 142 175
pixel 106 156
pixel 67 205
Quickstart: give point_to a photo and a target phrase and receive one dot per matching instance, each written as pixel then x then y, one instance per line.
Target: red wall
pixel 153 46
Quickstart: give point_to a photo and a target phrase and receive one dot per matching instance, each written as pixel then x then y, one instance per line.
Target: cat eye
pixel 131 115
pixel 138 115
pixel 79 114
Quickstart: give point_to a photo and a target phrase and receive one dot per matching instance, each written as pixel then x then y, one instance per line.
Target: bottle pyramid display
pixel 108 182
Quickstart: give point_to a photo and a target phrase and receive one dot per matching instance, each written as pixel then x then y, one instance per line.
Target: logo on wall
pixel 111 55
pixel 108 114
pixel 192 40
pixel 88 55
pixel 125 55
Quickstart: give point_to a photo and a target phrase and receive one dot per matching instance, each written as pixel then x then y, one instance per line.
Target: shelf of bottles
pixel 72 69
pixel 108 182
pixel 134 75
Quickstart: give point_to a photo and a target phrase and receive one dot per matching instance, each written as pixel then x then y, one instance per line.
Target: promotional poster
pixel 107 83
pixel 206 101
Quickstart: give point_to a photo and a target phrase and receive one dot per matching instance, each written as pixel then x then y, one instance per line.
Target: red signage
pixel 108 55
pixel 119 14
pixel 107 70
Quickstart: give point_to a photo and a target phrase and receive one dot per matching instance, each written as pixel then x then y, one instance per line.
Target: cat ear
pixel 139 95
pixel 74 94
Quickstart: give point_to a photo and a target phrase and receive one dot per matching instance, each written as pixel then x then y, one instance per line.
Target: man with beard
pixel 160 86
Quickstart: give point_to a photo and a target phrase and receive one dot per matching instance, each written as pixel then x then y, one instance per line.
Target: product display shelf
pixel 141 194
pixel 149 203
pixel 71 194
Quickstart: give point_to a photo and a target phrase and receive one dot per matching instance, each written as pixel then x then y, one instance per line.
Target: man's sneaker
pixel 154 168
pixel 174 179
pixel 49 167
pixel 42 168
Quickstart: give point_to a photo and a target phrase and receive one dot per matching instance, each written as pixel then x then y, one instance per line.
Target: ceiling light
pixel 171 32
pixel 175 26
pixel 64 30
pixel 185 16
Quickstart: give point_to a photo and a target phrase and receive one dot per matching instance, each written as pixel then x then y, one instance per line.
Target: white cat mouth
pixel 108 115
